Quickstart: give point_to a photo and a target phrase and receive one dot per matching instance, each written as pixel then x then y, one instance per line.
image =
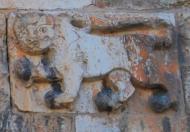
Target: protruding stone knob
pixel 160 101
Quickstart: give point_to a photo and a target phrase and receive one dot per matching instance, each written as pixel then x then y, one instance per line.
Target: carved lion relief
pixel 51 55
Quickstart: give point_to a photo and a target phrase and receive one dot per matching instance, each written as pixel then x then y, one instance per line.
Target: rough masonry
pixel 91 65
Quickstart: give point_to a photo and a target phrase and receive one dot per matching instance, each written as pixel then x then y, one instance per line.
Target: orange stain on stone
pixel 173 67
pixel 19 53
pixel 158 31
pixel 162 32
pixel 144 54
pixel 138 72
pixel 26 100
pixel 152 123
pixel 95 90
pixel 50 20
pixel 101 4
pixel 96 21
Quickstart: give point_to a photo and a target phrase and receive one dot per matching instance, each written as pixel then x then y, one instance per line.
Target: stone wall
pixel 94 66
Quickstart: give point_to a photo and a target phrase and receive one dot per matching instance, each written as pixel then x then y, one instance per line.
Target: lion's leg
pixel 69 89
pixel 117 88
pixel 160 99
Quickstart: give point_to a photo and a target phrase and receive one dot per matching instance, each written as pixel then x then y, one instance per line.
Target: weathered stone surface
pixel 85 123
pixel 4 88
pixel 87 93
pixel 183 20
pixel 51 123
pixel 14 122
pixel 44 4
pixel 184 124
pixel 140 5
pixel 184 48
pixel 186 79
pixel 52 54
pixel 94 69
pixel 126 122
pixel 117 88
pixel 148 123
pixel 18 122
pixel 71 4
pixel 29 122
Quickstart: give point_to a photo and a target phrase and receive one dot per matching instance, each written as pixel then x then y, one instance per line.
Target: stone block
pixel 183 20
pixel 141 5
pixel 51 123
pixel 4 75
pixel 85 101
pixel 85 123
pixel 44 4
pixel 149 123
pixel 72 4
pixel 127 122
pixel 18 122
pixel 52 54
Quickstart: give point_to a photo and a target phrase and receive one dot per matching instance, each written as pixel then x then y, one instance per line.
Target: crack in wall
pixel 7 59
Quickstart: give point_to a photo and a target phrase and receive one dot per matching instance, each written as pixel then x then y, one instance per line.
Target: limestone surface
pixel 53 54
pixel 4 74
pixel 44 4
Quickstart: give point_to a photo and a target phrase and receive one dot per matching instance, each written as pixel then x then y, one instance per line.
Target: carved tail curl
pixel 147 85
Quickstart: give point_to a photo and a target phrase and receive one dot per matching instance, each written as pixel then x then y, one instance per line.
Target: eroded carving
pixel 52 94
pixel 77 51
pixel 160 101
pixel 44 72
pixel 116 89
pixel 34 32
pixel 23 69
pixel 79 23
